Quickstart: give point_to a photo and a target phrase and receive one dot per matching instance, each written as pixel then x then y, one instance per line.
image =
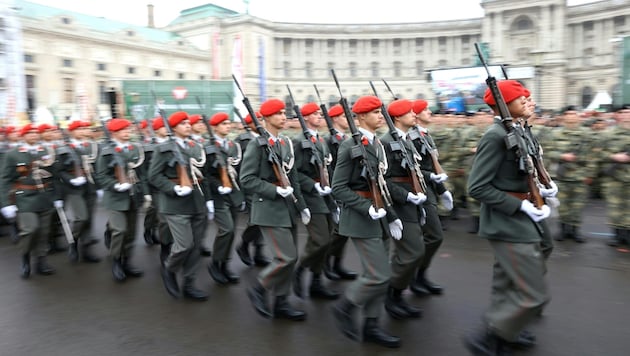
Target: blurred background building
pixel 566 55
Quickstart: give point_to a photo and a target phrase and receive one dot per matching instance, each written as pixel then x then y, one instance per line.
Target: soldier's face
pixel 122 135
pixel 341 121
pixel 183 129
pixel 406 121
pixel 277 120
pixel 223 128
pixel 371 120
pixel 31 137
pixel 519 108
pixel 314 120
pixel 199 127
pixel 571 117
pixel 424 117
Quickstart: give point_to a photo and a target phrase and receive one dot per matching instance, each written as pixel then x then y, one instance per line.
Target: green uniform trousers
pixel 406 255
pixel 369 290
pixel 282 243
pixel 122 225
pixel 82 207
pixel 432 234
pixel 187 232
pixel 519 290
pixel 33 234
pixel 319 238
pixel 224 218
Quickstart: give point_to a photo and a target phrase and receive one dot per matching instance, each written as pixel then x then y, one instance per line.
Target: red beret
pixel 271 107
pixel 399 107
pixel 143 124
pixel 27 128
pixel 335 110
pixel 526 93
pixel 114 125
pixel 9 129
pixel 194 118
pixel 157 123
pixel 218 118
pixel 43 127
pixel 176 118
pixel 510 90
pixel 309 108
pixel 419 105
pixel 366 104
pixel 248 118
pixel 75 125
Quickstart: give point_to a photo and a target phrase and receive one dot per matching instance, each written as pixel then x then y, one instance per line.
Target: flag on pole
pixel 262 75
pixel 237 71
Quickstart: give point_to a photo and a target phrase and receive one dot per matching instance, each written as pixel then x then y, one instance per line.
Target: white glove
pixel 396 228
pixel 224 190
pixel 335 215
pixel 447 200
pixel 306 216
pixel 122 187
pixel 423 218
pixel 438 178
pixel 322 191
pixel 534 213
pixel 78 181
pixel 58 204
pixel 182 191
pixel 548 192
pixel 416 199
pixel 147 201
pixel 376 214
pixel 210 206
pixel 284 192
pixel 9 211
pixel 99 194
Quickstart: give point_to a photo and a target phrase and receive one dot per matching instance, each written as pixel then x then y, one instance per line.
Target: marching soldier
pixel 151 225
pixel 333 267
pixel 360 221
pixel 276 204
pixel 228 198
pixel 29 192
pixel 75 159
pixel 311 157
pixel 252 232
pixel 435 178
pixel 409 246
pixel 198 131
pixel 48 136
pixel 185 203
pixel 510 222
pixel 120 174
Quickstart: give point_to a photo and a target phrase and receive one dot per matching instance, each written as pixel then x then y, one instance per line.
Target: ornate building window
pixel 352 67
pixel 397 69
pixel 374 69
pixel 68 90
pixel 374 44
pixel 522 24
pixel 308 69
pixel 587 96
pixel 353 46
pixel 419 68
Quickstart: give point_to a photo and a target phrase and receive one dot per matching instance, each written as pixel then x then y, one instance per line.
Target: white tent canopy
pixel 602 98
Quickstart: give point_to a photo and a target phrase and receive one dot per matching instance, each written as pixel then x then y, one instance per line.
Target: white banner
pixel 237 71
pixel 13 93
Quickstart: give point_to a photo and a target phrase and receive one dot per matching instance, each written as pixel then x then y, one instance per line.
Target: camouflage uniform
pixel 617 183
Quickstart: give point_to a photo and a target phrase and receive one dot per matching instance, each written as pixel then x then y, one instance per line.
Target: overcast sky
pixel 311 11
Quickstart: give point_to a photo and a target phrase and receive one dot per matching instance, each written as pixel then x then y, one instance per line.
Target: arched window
pixel 522 23
pixel 587 96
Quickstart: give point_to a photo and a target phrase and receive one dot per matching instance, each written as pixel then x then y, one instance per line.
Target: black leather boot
pixel 87 256
pixel 117 270
pixel 317 289
pixel 216 272
pixel 193 293
pixel 130 270
pixel 425 285
pixel 258 296
pixel 298 289
pixel 373 333
pixel 26 265
pixel 54 246
pixel 342 272
pixel 229 275
pixel 329 270
pixel 343 312
pixel 525 340
pixel 43 267
pixel 170 282
pixel 283 310
pixel 243 253
pixel 487 344
pixel 73 253
pixel 259 257
pixel 165 250
pixel 148 237
pixel 392 304
pixel 107 237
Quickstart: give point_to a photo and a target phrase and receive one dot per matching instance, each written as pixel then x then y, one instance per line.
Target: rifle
pixel 211 149
pixel 515 137
pixel 309 143
pixel 263 140
pixel 376 183
pixel 120 167
pixel 408 162
pixel 73 157
pixel 178 157
pixel 334 133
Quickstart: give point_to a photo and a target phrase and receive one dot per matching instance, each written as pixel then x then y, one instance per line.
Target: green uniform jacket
pixel 259 181
pixel 17 168
pixel 230 159
pixel 308 173
pixel 112 199
pixel 494 172
pixel 350 175
pixel 426 166
pixel 405 210
pixel 70 157
pixel 163 176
